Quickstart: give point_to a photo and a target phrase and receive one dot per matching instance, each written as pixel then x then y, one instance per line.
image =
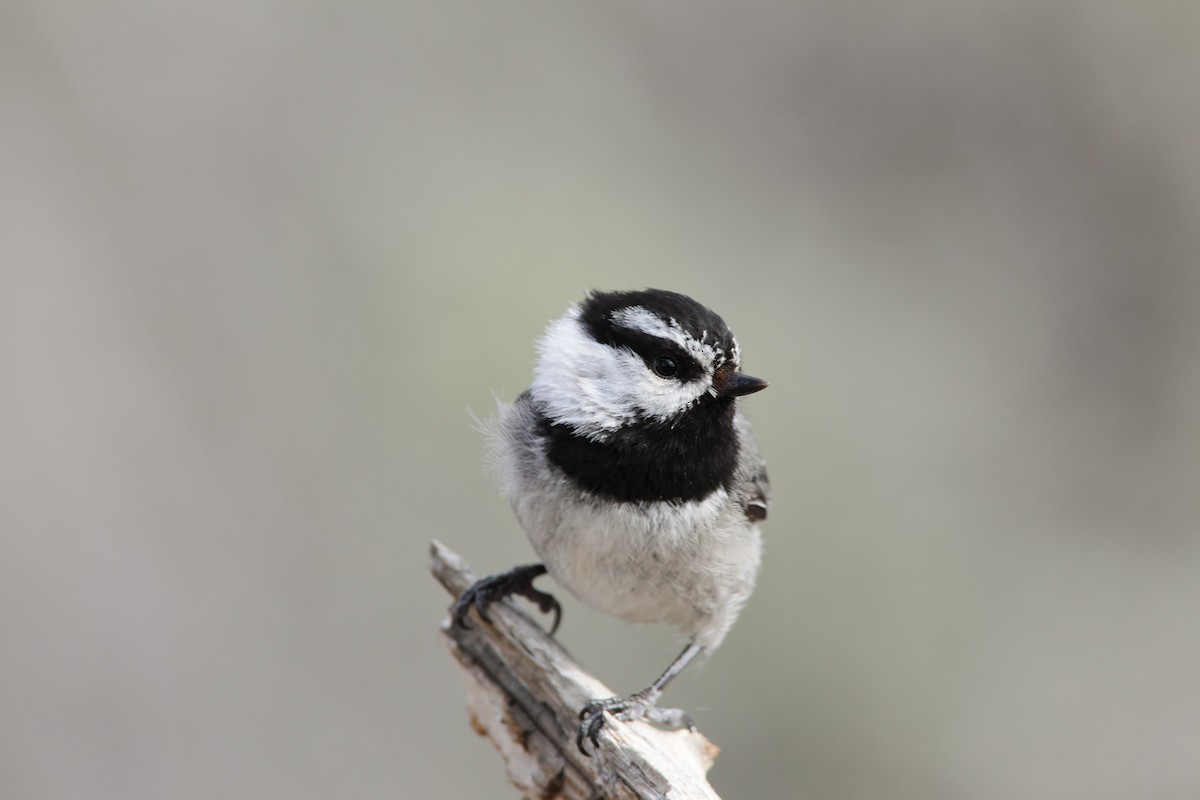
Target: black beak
pixel 735 384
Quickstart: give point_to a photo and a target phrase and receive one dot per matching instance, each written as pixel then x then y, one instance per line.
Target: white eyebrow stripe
pixel 638 318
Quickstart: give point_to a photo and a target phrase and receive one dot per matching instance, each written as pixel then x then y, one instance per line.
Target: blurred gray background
pixel 261 261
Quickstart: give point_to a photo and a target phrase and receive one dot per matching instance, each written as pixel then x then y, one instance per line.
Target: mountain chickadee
pixel 635 477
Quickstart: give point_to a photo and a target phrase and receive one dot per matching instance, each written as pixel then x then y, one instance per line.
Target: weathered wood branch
pixel 524 692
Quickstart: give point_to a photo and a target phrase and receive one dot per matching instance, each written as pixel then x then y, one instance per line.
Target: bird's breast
pixel 646 562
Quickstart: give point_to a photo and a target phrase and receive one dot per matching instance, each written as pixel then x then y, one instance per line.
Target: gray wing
pixel 754 486
pixel 758 496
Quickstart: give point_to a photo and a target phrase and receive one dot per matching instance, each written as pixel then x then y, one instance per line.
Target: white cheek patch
pixel 595 389
pixel 661 398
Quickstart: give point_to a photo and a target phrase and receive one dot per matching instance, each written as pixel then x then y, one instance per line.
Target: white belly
pixel 691 565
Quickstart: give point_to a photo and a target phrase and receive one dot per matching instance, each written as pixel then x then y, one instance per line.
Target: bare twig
pixel 524 692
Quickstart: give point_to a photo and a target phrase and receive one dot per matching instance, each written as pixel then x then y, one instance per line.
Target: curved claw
pixel 461 606
pixel 674 719
pixel 481 600
pixel 639 705
pixel 518 580
pixel 590 725
pixel 546 604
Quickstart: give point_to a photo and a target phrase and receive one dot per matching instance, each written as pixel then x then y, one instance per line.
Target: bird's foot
pixel 639 705
pixel 518 580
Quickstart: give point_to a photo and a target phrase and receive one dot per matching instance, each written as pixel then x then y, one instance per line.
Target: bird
pixel 636 477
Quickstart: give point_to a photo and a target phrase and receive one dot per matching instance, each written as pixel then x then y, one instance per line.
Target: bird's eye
pixel 665 366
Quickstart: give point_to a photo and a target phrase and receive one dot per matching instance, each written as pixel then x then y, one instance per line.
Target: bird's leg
pixel 639 705
pixel 518 580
